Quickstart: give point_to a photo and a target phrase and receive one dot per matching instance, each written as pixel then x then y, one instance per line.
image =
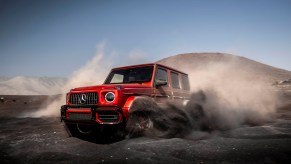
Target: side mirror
pixel 160 82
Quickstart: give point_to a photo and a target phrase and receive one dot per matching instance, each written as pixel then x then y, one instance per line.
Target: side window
pixel 175 80
pixel 185 82
pixel 162 75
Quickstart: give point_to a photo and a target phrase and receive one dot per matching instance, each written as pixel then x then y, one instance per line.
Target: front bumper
pixel 92 114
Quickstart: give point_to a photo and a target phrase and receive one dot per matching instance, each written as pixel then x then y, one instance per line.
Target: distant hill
pixel 204 69
pixel 209 62
pixel 22 85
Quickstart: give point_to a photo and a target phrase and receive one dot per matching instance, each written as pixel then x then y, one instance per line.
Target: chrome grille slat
pixel 91 98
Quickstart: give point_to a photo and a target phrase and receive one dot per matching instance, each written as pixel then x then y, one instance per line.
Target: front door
pixel 162 93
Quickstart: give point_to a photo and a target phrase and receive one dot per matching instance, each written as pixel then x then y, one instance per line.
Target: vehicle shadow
pixel 100 138
pixel 96 135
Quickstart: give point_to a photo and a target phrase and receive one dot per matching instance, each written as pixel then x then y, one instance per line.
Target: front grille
pixel 79 116
pixel 108 117
pixel 90 98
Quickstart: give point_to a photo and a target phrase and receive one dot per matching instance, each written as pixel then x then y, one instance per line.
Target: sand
pixel 44 140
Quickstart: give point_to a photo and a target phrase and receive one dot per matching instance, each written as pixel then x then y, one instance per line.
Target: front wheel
pixel 141 117
pixel 138 124
pixel 85 129
pixel 77 130
pixel 71 129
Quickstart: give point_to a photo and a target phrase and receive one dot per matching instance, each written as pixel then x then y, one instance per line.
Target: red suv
pixel 111 104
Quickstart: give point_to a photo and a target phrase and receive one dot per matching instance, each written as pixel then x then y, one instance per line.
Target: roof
pixel 149 64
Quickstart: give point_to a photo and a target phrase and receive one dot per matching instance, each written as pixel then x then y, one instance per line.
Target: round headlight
pixel 110 96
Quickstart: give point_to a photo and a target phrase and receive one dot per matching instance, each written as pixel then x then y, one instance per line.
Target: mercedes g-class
pixel 109 105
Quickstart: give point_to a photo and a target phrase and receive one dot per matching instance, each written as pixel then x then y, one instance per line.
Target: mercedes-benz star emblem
pixel 83 98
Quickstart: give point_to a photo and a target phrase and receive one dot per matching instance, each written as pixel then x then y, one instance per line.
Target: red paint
pixel 126 93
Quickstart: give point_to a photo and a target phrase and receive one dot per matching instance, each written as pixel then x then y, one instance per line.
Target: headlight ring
pixel 109 97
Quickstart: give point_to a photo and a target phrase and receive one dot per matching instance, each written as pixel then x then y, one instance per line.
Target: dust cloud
pixel 225 95
pixel 234 96
pixel 168 121
pixel 92 73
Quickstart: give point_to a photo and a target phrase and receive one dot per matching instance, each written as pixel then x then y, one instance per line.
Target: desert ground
pixel 44 140
pixel 27 139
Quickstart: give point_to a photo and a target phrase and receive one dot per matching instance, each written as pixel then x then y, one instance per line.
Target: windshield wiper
pixel 136 81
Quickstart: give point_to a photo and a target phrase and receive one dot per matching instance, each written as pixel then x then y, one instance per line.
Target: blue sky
pixel 57 37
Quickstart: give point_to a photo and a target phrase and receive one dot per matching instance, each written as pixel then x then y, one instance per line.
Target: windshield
pixel 130 75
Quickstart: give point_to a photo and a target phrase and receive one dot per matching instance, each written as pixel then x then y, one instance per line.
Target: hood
pixel 110 86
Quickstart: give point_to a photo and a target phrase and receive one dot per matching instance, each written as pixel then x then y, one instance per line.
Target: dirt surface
pixel 44 140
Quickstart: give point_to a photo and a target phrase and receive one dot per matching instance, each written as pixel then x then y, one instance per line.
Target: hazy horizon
pixel 55 38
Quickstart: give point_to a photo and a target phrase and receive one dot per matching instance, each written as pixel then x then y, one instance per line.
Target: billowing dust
pixel 92 73
pixel 234 94
pixel 224 96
